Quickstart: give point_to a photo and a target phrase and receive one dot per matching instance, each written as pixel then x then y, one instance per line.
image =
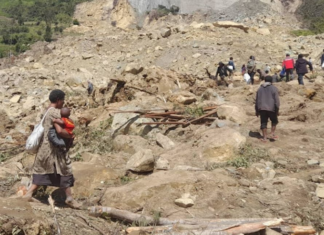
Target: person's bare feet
pixel 73 204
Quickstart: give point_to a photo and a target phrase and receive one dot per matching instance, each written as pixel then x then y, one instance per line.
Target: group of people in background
pixel 250 69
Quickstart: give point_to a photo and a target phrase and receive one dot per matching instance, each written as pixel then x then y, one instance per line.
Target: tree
pixel 18 12
pixel 48 34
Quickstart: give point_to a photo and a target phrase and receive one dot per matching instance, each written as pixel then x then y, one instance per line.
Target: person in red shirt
pixel 289 65
pixel 67 124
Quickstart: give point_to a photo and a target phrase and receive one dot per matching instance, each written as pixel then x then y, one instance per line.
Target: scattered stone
pixel 15 99
pixel 30 59
pixel 307 92
pixel 184 202
pixel 263 31
pixel 37 66
pixel 317 179
pixel 142 161
pixel 162 164
pixel 230 24
pixel 197 55
pixel 232 113
pixel 164 141
pixel 165 32
pixel 86 56
pixel 270 231
pixel 320 191
pixel 133 68
pixel 186 99
pixel 312 162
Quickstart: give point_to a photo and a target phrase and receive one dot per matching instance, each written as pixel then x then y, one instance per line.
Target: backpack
pixel 250 64
pixel 35 137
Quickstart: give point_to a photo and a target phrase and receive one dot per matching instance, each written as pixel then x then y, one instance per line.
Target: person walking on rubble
pixel 251 68
pixel 301 68
pixel 267 106
pixel 289 65
pixel 221 71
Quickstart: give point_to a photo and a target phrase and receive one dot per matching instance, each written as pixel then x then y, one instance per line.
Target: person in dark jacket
pixel 301 68
pixel 322 59
pixel 221 71
pixel 267 106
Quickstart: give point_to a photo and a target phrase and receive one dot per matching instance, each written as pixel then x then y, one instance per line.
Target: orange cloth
pixel 68 125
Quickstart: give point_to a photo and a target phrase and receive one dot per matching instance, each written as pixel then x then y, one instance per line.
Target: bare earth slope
pixel 122 160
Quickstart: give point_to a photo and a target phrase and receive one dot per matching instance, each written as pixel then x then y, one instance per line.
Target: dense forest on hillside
pixel 312 13
pixel 23 22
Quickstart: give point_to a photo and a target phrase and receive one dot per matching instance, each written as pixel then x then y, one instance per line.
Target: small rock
pixel 162 164
pixel 15 99
pixel 142 161
pixel 195 45
pixel 133 68
pixel 320 191
pixel 165 32
pixel 263 31
pixel 164 141
pixel 158 48
pixel 270 231
pixel 185 201
pixel 37 66
pixel 86 56
pixel 268 173
pixel 312 162
pixel 30 59
pixel 197 55
pixel 244 182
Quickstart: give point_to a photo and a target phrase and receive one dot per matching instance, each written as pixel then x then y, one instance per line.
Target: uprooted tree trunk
pixel 201 226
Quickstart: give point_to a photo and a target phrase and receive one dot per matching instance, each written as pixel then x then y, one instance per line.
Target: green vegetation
pixel 23 22
pixel 162 11
pixel 312 13
pixel 194 112
pixel 302 32
pixel 248 154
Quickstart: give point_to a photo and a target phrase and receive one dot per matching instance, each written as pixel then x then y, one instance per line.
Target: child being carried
pixel 67 124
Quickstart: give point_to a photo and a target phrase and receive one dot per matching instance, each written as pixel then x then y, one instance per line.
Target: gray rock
pixel 133 68
pixel 320 191
pixel 86 56
pixel 184 202
pixel 166 33
pixel 162 164
pixel 312 162
pixel 164 141
pixel 142 161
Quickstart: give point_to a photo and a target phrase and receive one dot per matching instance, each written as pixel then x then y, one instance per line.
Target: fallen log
pixel 139 89
pixel 202 117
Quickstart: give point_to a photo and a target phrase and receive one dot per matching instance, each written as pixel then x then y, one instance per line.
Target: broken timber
pixel 199 226
pixel 167 117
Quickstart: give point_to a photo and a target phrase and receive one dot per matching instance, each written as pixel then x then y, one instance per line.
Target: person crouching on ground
pixel 301 68
pixel 267 106
pixel 221 71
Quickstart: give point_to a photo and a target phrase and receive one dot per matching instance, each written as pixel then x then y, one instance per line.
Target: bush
pixel 76 22
pixel 301 32
pixel 48 34
pixel 162 11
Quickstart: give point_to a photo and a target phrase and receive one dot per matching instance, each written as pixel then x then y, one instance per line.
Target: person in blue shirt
pixel 231 67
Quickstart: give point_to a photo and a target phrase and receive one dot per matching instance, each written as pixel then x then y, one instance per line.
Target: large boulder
pixel 218 145
pixel 230 24
pixel 142 161
pixel 129 143
pixel 232 113
pixel 18 215
pixel 130 123
pixel 89 177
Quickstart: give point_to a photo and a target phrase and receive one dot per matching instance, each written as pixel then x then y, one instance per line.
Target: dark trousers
pixel 288 72
pixel 252 77
pixel 301 78
pixel 264 117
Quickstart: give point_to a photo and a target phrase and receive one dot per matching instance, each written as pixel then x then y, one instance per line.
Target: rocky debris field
pixel 211 169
